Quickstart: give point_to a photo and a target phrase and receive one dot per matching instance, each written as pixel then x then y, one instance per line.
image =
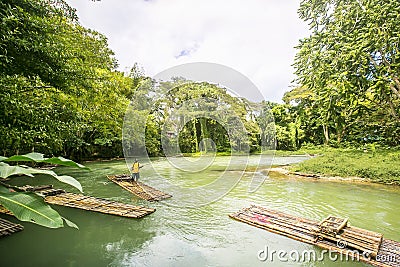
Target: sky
pixel 255 37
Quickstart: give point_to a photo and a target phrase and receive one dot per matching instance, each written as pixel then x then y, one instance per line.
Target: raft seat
pixel 336 229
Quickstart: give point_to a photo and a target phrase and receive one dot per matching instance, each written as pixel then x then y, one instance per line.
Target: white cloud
pixel 255 37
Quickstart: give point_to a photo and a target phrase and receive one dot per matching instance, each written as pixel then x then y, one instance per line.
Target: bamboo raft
pixel 139 189
pixel 98 205
pixel 60 197
pixel 332 233
pixel 7 228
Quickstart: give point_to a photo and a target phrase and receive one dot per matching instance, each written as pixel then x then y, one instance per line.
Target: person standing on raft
pixel 135 170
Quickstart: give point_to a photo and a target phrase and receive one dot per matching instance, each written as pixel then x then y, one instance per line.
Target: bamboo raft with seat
pixel 60 197
pixel 139 189
pixel 332 233
pixel 7 228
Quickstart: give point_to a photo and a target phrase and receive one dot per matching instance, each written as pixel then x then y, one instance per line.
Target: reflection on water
pixel 198 236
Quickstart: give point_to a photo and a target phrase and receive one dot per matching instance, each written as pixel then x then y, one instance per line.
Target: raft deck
pixel 101 205
pixel 332 233
pixel 7 228
pixel 60 197
pixel 139 189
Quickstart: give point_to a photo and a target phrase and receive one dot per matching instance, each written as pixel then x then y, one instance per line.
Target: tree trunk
pixel 196 140
pixel 326 133
pixel 203 128
pixel 340 136
pixel 391 106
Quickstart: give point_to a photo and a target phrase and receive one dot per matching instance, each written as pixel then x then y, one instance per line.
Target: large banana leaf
pixel 7 170
pixel 27 157
pixel 30 207
pixel 38 157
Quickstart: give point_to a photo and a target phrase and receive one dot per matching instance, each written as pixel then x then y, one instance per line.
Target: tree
pixel 185 116
pixel 350 62
pixel 60 93
pixel 207 112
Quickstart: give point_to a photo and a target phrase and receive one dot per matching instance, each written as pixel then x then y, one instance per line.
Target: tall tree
pixel 351 60
pixel 59 90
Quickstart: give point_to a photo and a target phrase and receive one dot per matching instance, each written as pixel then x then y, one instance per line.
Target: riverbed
pixel 193 227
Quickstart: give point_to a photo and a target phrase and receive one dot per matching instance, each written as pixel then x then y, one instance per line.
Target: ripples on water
pixel 202 235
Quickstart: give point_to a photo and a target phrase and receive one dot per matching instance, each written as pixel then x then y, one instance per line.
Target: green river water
pixel 180 233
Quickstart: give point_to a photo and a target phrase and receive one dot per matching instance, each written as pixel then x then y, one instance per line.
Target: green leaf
pixel 29 207
pixel 38 157
pixel 4 189
pixel 69 180
pixel 70 224
pixel 64 162
pixel 7 170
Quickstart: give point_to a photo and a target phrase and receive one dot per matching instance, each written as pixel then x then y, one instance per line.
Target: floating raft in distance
pixel 8 228
pixel 139 189
pixel 331 233
pixel 79 201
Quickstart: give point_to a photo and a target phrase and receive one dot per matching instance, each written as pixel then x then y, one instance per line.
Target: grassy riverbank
pixel 378 165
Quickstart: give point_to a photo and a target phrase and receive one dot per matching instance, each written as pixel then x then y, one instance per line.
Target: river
pixel 181 233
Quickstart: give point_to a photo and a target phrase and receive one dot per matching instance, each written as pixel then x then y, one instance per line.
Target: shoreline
pixel 284 171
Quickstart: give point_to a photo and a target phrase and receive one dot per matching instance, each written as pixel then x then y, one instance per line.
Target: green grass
pixel 379 165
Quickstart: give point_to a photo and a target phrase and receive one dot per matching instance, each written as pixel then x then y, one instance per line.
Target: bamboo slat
pixel 29 188
pixel 8 228
pixel 139 189
pixel 5 211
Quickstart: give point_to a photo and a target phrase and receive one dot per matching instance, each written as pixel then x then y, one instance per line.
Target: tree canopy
pixel 348 69
pixel 60 91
